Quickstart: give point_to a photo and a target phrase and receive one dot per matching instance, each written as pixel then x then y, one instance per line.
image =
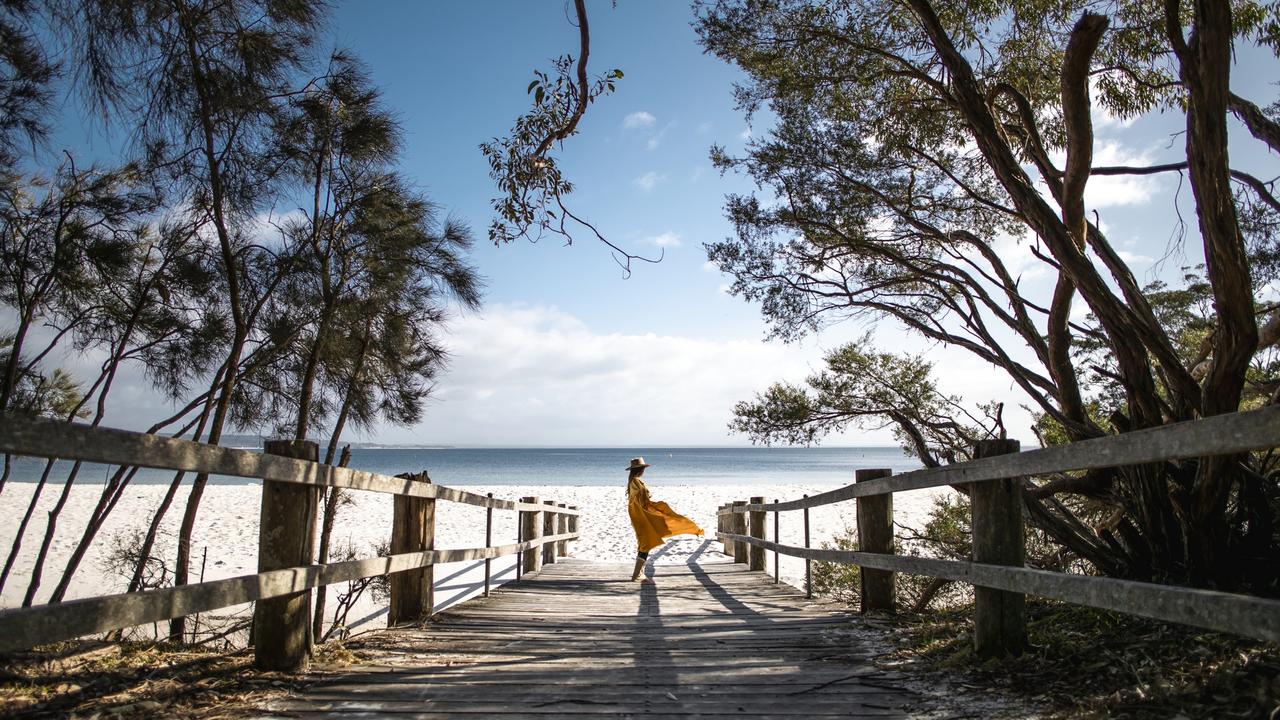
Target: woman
pixel 653 521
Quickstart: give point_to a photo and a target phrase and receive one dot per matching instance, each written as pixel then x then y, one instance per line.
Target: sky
pixel 570 351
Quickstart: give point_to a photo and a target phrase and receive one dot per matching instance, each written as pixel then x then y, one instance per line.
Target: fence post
pixel 738 526
pixel 413 529
pixel 875 534
pixel 573 523
pixel 999 617
pixel 756 553
pixel 722 526
pixel 286 538
pixel 548 529
pixel 777 540
pixel 531 529
pixel 488 542
pixel 519 539
pixel 562 528
pixel 808 564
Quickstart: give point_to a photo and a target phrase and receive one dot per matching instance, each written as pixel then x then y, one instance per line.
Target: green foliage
pixel 869 389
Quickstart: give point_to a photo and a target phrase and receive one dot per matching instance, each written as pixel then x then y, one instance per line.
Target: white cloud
pixel 704 128
pixel 639 119
pixel 1114 190
pixel 745 134
pixel 724 289
pixel 1132 258
pixel 666 239
pixel 710 266
pixel 649 180
pixel 560 383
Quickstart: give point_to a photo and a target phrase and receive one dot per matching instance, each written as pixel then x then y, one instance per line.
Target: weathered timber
pixel 999 616
pixel 1217 435
pixel 286 538
pixel 488 540
pixel 755 554
pixel 38 437
pixel 23 628
pixel 531 529
pixel 777 577
pixel 549 528
pixel 1244 615
pixel 413 529
pixel 875 534
pixel 575 641
pixel 808 564
pixel 738 524
pixel 562 528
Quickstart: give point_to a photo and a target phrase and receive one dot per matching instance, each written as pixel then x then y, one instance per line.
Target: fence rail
pixel 1245 615
pixel 26 627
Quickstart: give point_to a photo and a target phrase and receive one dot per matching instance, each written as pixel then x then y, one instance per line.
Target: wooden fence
pixel 291 483
pixel 1001 582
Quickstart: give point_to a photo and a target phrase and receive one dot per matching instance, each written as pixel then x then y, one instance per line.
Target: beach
pixel 226 534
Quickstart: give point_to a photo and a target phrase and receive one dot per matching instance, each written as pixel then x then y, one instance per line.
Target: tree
pixel 372 274
pixel 522 164
pixel 911 137
pixel 205 78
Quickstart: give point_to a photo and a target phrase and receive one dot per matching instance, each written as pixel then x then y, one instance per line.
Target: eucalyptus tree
pixel 204 78
pixel 912 136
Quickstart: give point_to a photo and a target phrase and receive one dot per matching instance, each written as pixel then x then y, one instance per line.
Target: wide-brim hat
pixel 637 463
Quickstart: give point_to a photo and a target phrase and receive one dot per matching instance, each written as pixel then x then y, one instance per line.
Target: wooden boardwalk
pixel 704 639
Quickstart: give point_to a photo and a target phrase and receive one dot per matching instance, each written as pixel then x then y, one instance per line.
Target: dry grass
pixel 121 680
pixel 1088 663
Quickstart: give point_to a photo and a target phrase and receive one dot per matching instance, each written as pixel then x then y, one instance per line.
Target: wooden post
pixel 999 617
pixel 738 526
pixel 413 529
pixel 519 539
pixel 548 529
pixel 722 525
pixel 562 528
pixel 756 553
pixel 875 534
pixel 286 538
pixel 777 540
pixel 488 542
pixel 531 529
pixel 573 520
pixel 808 564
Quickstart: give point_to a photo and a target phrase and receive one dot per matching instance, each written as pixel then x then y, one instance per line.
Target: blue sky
pixel 568 352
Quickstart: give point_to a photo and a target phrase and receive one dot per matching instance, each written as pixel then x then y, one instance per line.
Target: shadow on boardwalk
pixel 705 638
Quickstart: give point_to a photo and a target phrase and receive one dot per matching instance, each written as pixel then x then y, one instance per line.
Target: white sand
pixel 228 528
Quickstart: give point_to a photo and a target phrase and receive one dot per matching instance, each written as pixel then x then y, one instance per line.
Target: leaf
pixel 532 85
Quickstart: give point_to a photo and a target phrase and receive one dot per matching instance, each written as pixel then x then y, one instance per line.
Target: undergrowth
pixel 1088 663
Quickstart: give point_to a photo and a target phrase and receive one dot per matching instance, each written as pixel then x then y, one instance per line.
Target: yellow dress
pixel 654 521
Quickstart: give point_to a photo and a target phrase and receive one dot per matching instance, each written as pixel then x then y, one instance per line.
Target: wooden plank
pixel 575 641
pixel 1244 615
pixel 1217 435
pixel 22 628
pixel 40 437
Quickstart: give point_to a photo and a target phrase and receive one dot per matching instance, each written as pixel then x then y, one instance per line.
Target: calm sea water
pixel 570 466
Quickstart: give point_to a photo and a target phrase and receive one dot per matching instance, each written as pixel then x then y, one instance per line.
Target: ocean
pixel 460 467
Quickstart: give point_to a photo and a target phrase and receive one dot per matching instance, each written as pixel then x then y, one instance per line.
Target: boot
pixel 635 574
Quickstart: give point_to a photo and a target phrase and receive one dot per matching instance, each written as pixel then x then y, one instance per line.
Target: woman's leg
pixel 641 557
